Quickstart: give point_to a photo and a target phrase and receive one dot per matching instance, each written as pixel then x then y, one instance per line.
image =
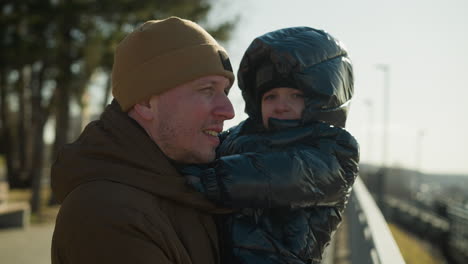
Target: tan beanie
pixel 162 54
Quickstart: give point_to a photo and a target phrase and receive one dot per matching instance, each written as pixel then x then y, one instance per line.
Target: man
pixel 123 201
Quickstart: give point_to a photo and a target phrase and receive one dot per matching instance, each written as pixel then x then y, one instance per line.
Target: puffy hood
pixel 116 149
pixel 303 58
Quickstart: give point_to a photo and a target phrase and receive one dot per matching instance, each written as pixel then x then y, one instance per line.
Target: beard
pixel 177 141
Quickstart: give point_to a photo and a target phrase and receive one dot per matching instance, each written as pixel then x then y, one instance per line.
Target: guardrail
pixel 457 244
pixel 370 239
pixel 423 222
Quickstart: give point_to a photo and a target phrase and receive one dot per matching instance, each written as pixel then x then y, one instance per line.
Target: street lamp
pixel 418 179
pixel 419 149
pixel 385 68
pixel 370 105
pixel 381 175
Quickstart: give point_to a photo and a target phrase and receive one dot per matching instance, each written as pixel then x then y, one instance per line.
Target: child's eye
pixel 268 97
pixel 298 95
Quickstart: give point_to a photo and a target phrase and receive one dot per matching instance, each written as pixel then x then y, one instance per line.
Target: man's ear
pixel 143 110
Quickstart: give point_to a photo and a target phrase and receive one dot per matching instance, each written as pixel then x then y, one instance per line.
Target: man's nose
pixel 224 108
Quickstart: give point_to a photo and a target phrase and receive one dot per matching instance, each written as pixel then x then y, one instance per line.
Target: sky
pixel 423 42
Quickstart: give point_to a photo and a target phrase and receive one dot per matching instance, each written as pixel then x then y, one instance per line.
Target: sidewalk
pixel 32 245
pixel 26 246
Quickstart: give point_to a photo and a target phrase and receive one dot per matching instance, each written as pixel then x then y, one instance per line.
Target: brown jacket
pixel 123 201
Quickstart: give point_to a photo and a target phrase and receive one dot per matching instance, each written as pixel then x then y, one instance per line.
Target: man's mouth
pixel 211 133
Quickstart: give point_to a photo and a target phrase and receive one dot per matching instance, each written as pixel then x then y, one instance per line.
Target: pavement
pixel 32 244
pixel 26 246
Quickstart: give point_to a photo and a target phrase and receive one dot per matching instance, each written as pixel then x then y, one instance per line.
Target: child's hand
pixel 203 179
pixel 193 174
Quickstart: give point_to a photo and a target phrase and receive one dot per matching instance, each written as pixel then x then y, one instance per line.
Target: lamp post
pixel 370 106
pixel 385 68
pixel 419 149
pixel 386 100
pixel 418 179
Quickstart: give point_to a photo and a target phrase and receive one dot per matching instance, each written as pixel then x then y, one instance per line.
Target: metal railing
pixel 370 239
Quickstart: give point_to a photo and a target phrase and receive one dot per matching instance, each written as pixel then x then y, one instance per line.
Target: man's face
pixel 188 118
pixel 282 103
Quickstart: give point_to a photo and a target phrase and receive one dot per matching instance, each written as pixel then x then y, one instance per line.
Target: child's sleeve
pixel 299 173
pixel 284 235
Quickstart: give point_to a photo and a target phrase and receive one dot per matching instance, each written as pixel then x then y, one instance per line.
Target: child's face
pixel 282 103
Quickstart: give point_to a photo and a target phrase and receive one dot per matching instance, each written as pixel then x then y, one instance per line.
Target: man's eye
pixel 207 90
pixel 298 95
pixel 269 97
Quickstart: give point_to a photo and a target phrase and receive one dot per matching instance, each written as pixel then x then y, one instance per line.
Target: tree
pixel 49 52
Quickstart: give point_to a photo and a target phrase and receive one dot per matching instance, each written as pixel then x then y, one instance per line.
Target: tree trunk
pixel 61 115
pixel 38 161
pixel 3 114
pixel 62 102
pixel 5 135
pixel 20 138
pixel 40 116
pixel 62 91
pixel 7 138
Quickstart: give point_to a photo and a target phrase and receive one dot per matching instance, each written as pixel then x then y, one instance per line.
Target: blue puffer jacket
pixel 290 183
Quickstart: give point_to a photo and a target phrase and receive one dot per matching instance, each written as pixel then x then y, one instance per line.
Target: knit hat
pixel 162 54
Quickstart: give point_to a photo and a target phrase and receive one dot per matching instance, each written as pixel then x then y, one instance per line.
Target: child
pixel 290 166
